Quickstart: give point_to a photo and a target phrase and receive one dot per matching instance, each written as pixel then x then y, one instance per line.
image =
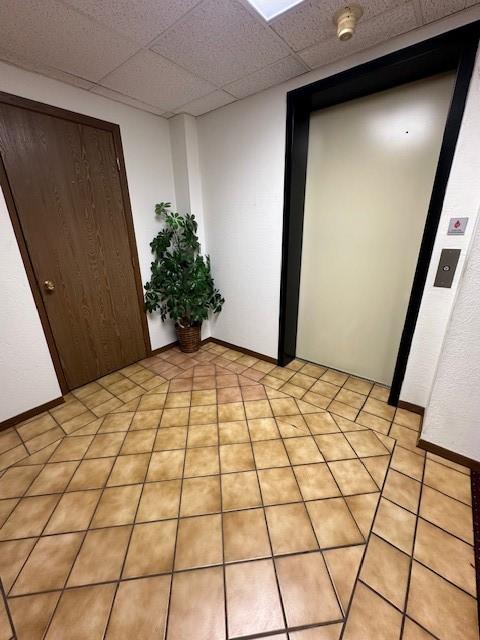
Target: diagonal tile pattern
pixel 216 495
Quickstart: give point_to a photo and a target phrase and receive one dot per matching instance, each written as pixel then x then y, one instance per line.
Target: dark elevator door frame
pixel 451 51
pixel 114 129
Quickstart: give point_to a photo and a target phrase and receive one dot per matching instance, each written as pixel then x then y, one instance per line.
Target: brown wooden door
pixel 65 183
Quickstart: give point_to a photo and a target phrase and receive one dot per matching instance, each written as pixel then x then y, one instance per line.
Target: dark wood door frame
pixel 451 51
pixel 32 105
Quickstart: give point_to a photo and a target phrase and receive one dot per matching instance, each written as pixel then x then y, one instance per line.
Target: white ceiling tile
pixel 435 9
pixel 63 76
pixel 119 97
pixel 267 77
pixel 152 79
pixel 54 35
pixel 370 33
pixel 221 41
pixel 56 74
pixel 312 20
pixel 208 103
pixel 140 20
pixel 205 53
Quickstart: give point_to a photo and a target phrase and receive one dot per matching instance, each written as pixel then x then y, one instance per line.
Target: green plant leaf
pixel 181 285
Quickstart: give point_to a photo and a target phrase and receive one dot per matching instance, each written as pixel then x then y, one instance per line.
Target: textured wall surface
pixel 461 199
pixel 452 416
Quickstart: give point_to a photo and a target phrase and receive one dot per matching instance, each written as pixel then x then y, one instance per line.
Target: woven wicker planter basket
pixel 189 338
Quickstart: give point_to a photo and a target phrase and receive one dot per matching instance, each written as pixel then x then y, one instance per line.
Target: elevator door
pixel 370 171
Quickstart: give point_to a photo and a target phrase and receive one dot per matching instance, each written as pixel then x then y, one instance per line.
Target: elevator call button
pixel 446 268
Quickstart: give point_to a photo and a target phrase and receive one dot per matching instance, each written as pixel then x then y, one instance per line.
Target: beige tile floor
pixel 214 495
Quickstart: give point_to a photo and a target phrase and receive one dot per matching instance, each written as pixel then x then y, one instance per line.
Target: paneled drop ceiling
pixel 191 56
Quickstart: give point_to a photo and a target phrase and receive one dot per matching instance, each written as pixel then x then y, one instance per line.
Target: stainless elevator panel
pixel 446 268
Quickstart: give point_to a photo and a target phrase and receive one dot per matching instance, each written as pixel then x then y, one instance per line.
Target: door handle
pixel 49 285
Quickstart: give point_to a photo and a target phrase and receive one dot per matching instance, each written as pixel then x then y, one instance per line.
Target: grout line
pixel 358 457
pixel 127 548
pixel 38 536
pixel 174 556
pixel 186 448
pixel 102 491
pixel 423 564
pixel 277 581
pixel 424 520
pixel 224 573
pixel 281 632
pixel 407 590
pixel 337 596
pixel 117 526
pixel 347 613
pixel 422 483
pixel 119 455
pixel 80 461
pixel 234 511
pixel 381 596
pixel 66 491
pixel 421 627
pixel 3 596
pixel 234 563
pixel 51 413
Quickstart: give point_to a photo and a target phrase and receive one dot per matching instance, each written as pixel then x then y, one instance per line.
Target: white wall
pixel 27 376
pixel 186 170
pixel 242 148
pixel 241 153
pixel 451 418
pixel 24 357
pixel 462 198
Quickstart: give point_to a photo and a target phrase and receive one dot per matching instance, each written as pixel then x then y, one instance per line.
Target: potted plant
pixel 181 286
